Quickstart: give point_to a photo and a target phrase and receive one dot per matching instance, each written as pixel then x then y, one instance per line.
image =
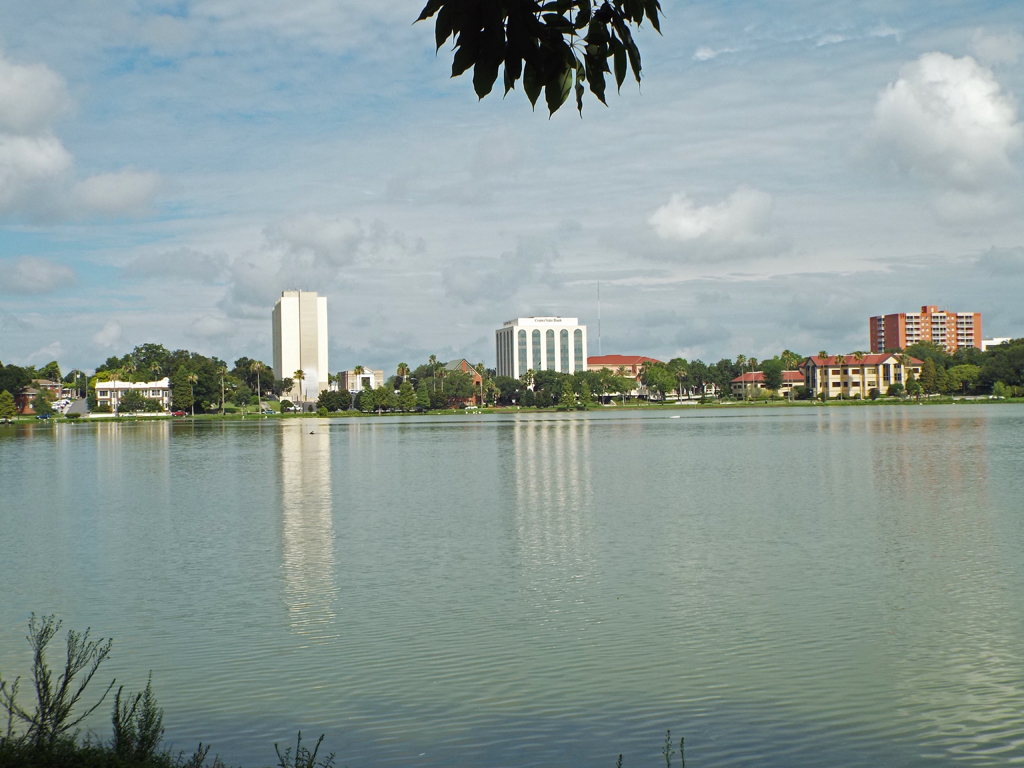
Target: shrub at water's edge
pixel 46 734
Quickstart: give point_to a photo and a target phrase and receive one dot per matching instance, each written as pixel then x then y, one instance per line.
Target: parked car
pixel 43 416
pixel 269 410
pixel 179 413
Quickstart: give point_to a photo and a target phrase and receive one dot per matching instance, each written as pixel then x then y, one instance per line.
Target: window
pixel 836 384
pixel 577 337
pixel 536 350
pixel 522 353
pixel 563 348
pixel 550 339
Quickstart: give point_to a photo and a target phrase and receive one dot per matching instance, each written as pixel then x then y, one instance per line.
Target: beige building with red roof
pixel 846 376
pixel 752 382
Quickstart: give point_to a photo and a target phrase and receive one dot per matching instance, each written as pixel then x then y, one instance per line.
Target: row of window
pixel 549 348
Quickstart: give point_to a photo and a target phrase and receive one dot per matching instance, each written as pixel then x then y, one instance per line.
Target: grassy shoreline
pixel 637 406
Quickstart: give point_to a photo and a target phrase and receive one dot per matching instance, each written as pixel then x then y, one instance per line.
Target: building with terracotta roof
pixel 846 376
pixel 462 365
pixel 950 330
pixel 752 382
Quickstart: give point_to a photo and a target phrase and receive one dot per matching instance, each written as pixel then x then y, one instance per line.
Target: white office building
pixel 541 344
pixel 300 342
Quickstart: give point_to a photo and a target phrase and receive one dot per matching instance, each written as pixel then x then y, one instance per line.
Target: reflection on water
pixel 553 494
pixel 307 540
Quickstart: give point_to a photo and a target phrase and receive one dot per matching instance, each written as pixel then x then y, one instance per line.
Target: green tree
pixel 914 387
pixel 406 395
pixel 8 408
pixel 557 47
pixel 823 377
pixel 928 377
pixel 241 397
pixel 772 370
pixel 41 403
pixel 334 401
pixel 422 396
pixel 299 376
pixel 584 396
pixel 50 371
pixel 963 377
pixel 258 368
pixel 181 390
pixel 896 389
pixel 131 402
pixel 567 397
pixel 367 400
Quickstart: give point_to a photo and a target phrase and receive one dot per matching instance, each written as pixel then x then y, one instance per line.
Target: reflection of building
pixel 300 341
pixel 950 330
pixel 357 382
pixel 753 381
pixel 307 556
pixel 851 376
pixel 554 494
pixel 541 344
pixel 112 392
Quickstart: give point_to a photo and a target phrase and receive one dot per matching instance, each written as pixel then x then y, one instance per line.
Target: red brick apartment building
pixel 951 330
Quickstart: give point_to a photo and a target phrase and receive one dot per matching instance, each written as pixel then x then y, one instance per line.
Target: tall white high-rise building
pixel 540 344
pixel 300 341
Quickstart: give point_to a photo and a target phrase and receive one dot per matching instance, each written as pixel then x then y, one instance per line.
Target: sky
pixel 784 171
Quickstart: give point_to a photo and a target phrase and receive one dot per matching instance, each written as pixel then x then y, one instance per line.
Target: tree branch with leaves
pixel 555 47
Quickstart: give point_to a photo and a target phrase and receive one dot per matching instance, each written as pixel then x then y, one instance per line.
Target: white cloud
pixel 999 47
pixel 32 172
pixel 181 264
pixel 743 216
pixel 31 97
pixel 210 326
pixel 830 40
pixel 491 279
pixel 109 335
pixel 706 53
pixel 35 168
pixel 53 351
pixel 32 275
pixel 335 240
pixel 948 121
pixel 884 30
pixel 124 193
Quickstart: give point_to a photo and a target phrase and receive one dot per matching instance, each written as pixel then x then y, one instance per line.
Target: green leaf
pixel 484 75
pixel 651 8
pixel 430 9
pixel 583 17
pixel 531 84
pixel 443 26
pixel 619 53
pixel 466 52
pixel 556 91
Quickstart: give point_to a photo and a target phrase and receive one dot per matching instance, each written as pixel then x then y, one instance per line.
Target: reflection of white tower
pixel 300 340
pixel 553 495
pixel 308 535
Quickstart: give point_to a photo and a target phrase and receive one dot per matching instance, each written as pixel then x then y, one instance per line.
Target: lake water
pixel 790 587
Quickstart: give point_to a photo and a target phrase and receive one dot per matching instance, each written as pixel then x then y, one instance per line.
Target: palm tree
pixel 841 362
pixel 130 367
pixel 740 361
pixel 823 356
pixel 193 379
pixel 402 371
pixel 299 375
pixel 859 356
pixel 223 371
pixel 432 361
pixel 257 367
